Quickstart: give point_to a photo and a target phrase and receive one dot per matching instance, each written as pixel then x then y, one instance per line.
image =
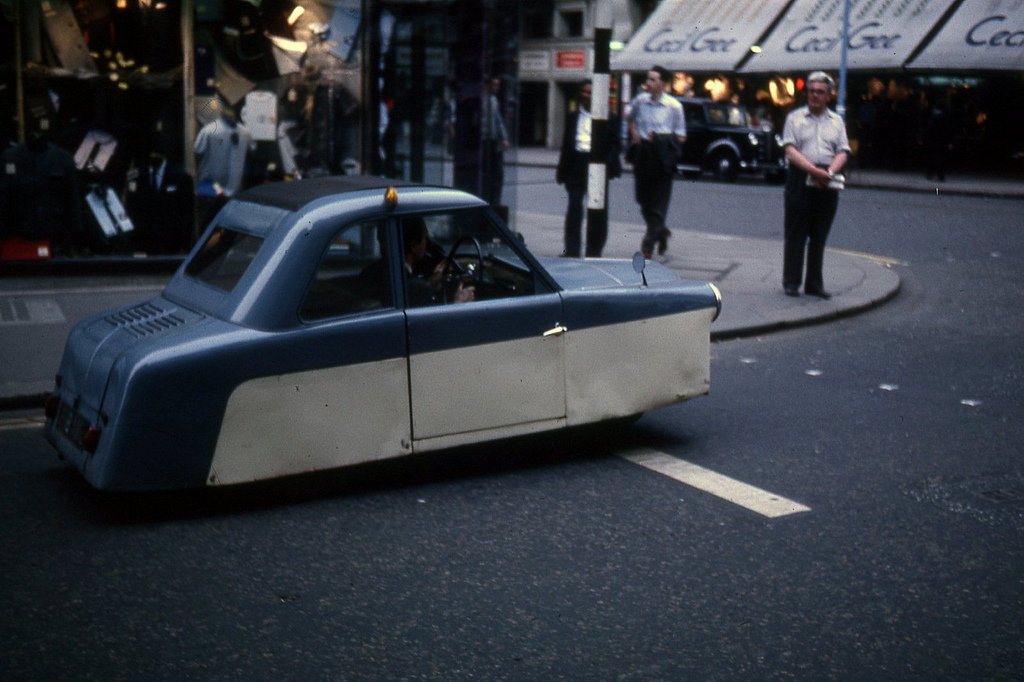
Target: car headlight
pixel 753 139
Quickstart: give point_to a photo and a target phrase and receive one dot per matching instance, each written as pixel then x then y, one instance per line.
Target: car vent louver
pixel 145 320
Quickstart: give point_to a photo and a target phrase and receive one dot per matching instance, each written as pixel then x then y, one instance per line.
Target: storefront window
pixel 151 129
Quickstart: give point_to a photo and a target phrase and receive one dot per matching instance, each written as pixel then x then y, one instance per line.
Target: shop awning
pixel 979 36
pixel 698 35
pixel 883 35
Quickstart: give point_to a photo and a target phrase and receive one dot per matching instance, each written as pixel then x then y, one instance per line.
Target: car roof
pixel 294 195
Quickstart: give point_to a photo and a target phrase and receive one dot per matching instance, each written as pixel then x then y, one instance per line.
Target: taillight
pixel 91 439
pixel 52 406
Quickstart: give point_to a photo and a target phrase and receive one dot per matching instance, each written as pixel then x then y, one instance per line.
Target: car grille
pixel 145 320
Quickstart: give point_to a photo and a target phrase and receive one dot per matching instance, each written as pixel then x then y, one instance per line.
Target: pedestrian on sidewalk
pixel 814 139
pixel 657 129
pixel 574 172
pixel 496 143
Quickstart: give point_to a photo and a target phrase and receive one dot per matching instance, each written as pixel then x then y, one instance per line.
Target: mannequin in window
pixel 222 146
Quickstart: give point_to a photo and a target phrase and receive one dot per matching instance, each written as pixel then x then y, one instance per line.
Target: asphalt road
pixel 896 433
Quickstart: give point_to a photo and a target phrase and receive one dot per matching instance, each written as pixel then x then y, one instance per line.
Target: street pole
pixel 597 176
pixel 841 96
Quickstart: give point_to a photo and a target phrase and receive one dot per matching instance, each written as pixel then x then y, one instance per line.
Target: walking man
pixel 574 172
pixel 816 145
pixel 658 128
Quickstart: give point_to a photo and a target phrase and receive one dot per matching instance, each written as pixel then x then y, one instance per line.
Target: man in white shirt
pixel 815 142
pixel 658 128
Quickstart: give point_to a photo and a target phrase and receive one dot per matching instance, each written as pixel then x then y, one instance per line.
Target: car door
pixel 335 391
pixel 492 366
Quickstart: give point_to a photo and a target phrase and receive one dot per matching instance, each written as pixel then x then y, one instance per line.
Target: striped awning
pixel 698 35
pixel 883 34
pixel 979 36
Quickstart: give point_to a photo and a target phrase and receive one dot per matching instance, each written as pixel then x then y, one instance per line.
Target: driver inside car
pixel 425 272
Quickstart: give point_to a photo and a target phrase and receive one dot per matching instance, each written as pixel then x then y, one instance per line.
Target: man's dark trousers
pixel 576 181
pixel 808 219
pixel 652 172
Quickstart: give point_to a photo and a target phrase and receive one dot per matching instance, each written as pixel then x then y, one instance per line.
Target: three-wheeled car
pixel 327 322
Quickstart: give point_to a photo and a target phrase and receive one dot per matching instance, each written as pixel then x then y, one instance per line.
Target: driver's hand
pixel 435 277
pixel 464 294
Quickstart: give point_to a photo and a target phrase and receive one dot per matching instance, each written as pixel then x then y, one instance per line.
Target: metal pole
pixel 597 177
pixel 18 72
pixel 841 97
pixel 189 84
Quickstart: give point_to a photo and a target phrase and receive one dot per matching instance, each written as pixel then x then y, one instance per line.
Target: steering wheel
pixel 453 270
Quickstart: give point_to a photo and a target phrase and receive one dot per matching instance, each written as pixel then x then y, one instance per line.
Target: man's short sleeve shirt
pixel 819 138
pixel 661 117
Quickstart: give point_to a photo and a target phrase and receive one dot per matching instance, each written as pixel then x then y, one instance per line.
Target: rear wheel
pixel 725 166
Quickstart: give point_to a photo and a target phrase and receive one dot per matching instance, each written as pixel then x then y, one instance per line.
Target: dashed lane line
pixel 729 489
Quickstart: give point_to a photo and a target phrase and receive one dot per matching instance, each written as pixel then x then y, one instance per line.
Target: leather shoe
pixel 663 242
pixel 820 293
pixel 791 291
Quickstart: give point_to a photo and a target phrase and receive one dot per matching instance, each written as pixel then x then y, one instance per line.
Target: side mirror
pixel 639 263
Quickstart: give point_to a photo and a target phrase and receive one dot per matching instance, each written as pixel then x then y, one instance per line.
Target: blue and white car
pixel 290 341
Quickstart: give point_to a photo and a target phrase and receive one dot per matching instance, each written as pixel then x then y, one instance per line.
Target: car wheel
pixel 726 166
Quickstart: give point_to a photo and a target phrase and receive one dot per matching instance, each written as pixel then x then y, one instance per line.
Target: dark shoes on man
pixel 662 244
pixel 795 291
pixel 663 241
pixel 820 293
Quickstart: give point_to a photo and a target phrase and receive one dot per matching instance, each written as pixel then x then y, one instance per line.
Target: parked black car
pixel 719 140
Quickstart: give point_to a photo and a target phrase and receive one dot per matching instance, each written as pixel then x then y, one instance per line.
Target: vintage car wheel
pixel 726 166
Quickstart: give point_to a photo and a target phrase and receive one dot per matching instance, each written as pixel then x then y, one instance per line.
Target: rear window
pixel 224 258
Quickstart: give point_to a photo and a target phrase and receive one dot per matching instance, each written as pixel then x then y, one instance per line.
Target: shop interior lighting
pixel 296 13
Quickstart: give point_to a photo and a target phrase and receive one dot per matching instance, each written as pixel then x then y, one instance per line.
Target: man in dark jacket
pixel 573 172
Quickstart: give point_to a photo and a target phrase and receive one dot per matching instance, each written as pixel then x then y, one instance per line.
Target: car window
pixel 694 115
pixel 224 258
pixel 727 114
pixel 463 250
pixel 352 276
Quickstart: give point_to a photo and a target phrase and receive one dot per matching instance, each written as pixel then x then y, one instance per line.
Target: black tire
pixel 725 166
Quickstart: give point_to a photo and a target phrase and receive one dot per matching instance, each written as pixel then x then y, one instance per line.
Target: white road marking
pixel 731 490
pixel 14 423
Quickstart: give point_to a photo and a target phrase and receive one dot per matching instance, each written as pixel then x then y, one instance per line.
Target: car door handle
pixel 556 330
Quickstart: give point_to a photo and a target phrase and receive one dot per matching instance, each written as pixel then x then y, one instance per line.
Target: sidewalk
pixel 37 314
pixel 956 183
pixel 749 271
